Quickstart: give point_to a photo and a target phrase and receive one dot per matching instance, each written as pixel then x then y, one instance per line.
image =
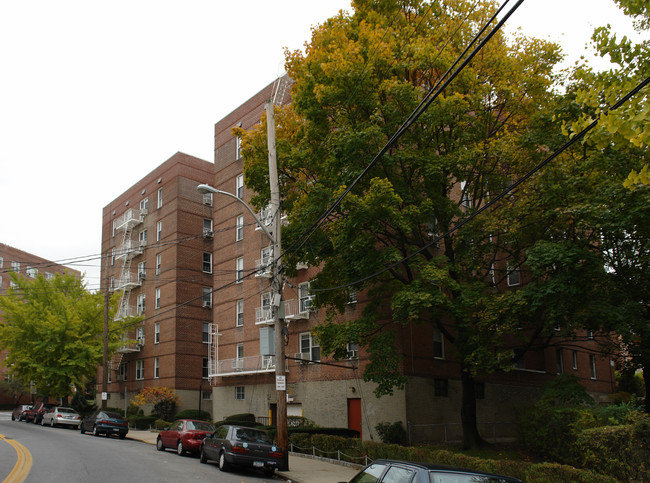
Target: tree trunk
pixel 471 436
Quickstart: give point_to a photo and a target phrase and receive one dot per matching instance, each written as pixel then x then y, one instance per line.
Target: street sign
pixel 104 396
pixel 280 383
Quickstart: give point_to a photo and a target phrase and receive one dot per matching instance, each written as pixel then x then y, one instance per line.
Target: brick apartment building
pixel 159 236
pixel 242 372
pixel 27 265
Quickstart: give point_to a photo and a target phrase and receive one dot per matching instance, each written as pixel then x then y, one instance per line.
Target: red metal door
pixel 354 414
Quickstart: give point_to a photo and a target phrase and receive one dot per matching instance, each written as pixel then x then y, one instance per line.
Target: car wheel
pixel 203 458
pixel 42 422
pixel 81 428
pixel 13 418
pixel 122 435
pixel 52 424
pixel 159 445
pixel 179 449
pixel 223 464
pixel 95 431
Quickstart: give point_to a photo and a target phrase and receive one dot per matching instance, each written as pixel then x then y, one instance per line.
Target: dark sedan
pixel 19 412
pixel 383 471
pixel 105 422
pixel 241 446
pixel 184 435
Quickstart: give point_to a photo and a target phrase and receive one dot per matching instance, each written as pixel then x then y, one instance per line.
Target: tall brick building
pixel 158 236
pixel 27 265
pixel 242 371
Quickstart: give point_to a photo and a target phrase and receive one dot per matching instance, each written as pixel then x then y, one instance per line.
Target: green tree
pixel 52 330
pixel 361 76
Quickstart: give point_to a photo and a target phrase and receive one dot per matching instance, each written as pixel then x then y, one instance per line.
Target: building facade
pixel 13 260
pixel 242 365
pixel 157 238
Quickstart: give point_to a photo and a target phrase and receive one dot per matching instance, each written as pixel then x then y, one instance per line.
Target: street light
pixel 276 284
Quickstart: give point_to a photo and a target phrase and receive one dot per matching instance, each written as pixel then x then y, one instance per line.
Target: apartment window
pixel 239 188
pixel 140 307
pixel 559 362
pixel 160 198
pixel 159 231
pixel 156 368
pixel 590 334
pixel 108 377
pixel 158 298
pixel 575 360
pixel 144 206
pixel 239 232
pixel 156 333
pixel 204 368
pixel 158 263
pixel 207 297
pixel 142 238
pixel 49 276
pixel 15 266
pixel 139 335
pixel 441 387
pixel 239 321
pixel 513 274
pixel 207 199
pixel 353 351
pixel 438 344
pixel 207 227
pixel 465 199
pixel 592 365
pixel 139 370
pixel 123 371
pixel 309 347
pixel 2 262
pixel 352 297
pixel 239 270
pixel 493 280
pixel 206 332
pixel 31 272
pixel 142 271
pixel 304 297
pixel 114 227
pixel 237 147
pixel 240 353
pixel 239 393
pixel 207 395
pixel 112 256
pixel 207 262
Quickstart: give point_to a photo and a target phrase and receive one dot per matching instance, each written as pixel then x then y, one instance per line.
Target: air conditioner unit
pixel 119 377
pixel 353 354
pixel 142 276
pixel 305 357
pixel 140 341
pixel 208 233
pixel 238 364
pixel 207 304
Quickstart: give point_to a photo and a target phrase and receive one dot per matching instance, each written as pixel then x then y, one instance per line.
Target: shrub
pixel 549 431
pixel 82 405
pixel 192 414
pixel 161 424
pixel 142 422
pixel 241 418
pixel 391 433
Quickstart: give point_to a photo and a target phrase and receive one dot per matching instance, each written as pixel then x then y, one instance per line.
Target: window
pixel 441 387
pixel 513 274
pixel 239 321
pixel 142 238
pixel 207 227
pixel 207 262
pixel 239 270
pixel 237 147
pixel 114 227
pixel 204 368
pixel 266 260
pixel 141 306
pixel 353 351
pixel 15 266
pixel 438 344
pixel 309 347
pixel 465 199
pixel 396 474
pixel 493 280
pixel 160 198
pixel 239 393
pixel 240 354
pixel 2 262
pixel 158 298
pixel 207 297
pixel 158 263
pixel 123 371
pixel 144 206
pixel 207 199
pixel 139 335
pixel 159 231
pixel 352 297
pixel 559 362
pixel 206 394
pixel 156 368
pixel 49 276
pixel 590 334
pixel 239 188
pixel 31 272
pixel 156 333
pixel 139 370
pixel 239 232
pixel 304 297
pixel 575 360
pixel 206 332
pixel 592 365
pixel 142 271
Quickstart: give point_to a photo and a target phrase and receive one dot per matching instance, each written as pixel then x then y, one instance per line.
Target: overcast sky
pixel 95 94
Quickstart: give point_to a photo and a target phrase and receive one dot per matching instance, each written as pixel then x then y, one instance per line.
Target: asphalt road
pixel 65 455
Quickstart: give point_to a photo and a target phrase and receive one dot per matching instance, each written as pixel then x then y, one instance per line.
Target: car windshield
pixel 200 426
pixel 112 415
pixel 253 435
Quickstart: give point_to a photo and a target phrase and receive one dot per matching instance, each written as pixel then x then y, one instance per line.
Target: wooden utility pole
pixel 105 354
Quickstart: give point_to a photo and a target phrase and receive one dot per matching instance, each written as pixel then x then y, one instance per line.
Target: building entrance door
pixel 354 414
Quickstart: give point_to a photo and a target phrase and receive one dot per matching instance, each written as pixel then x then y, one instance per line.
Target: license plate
pixel 258 464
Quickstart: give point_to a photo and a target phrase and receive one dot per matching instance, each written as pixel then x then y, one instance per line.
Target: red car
pixel 184 435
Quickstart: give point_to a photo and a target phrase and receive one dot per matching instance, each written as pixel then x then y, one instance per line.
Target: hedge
pixel 142 422
pixel 192 414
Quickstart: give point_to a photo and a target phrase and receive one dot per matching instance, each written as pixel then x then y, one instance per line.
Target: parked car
pixel 61 416
pixel 381 471
pixel 241 446
pixel 184 435
pixel 35 415
pixel 105 422
pixel 19 412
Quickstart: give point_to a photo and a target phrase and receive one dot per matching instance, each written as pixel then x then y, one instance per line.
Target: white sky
pixel 95 94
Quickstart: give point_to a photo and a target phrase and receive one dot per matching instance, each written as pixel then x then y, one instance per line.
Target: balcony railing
pixel 129 249
pixel 131 218
pixel 129 281
pixel 243 365
pixel 125 311
pixel 294 310
pixel 130 345
pixel 263 316
pixel 263 268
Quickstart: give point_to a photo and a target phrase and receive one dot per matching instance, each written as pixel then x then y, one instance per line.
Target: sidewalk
pixel 302 469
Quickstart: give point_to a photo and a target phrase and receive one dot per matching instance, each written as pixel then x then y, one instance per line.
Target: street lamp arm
pixel 206 188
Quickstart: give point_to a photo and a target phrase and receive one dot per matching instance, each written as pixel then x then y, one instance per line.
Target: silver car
pixel 61 416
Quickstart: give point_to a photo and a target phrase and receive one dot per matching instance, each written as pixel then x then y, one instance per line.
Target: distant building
pixel 27 265
pixel 158 236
